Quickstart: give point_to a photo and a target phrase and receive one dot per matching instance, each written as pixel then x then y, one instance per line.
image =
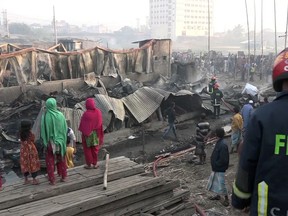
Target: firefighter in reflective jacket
pixel 216 97
pixel 211 85
pixel 262 179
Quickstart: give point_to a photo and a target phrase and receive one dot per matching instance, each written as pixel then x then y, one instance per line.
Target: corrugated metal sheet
pixel 183 92
pixel 106 115
pixel 74 115
pixel 107 105
pixel 143 103
pixel 166 94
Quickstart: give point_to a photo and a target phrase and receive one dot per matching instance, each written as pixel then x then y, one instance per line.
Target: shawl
pixel 91 120
pixel 54 127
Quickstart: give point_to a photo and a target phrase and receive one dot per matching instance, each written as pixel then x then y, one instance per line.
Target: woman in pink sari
pixel 91 127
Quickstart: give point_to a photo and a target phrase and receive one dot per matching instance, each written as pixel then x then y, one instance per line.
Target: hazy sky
pixel 118 13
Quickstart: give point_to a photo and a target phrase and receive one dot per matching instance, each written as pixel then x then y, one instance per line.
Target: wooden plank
pixel 168 186
pixel 137 206
pixel 25 194
pixel 178 196
pixel 111 196
pixel 94 197
pixel 115 163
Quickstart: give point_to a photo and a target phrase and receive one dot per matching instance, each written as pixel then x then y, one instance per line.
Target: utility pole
pixel 262 41
pixel 54 25
pixel 248 29
pixel 209 36
pixel 285 43
pixel 208 26
pixel 5 22
pixel 275 26
pixel 254 29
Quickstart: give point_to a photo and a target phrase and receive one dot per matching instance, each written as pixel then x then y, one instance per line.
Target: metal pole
pixel 275 26
pixel 248 29
pixel 262 41
pixel 209 57
pixel 254 29
pixel 285 43
pixel 209 26
pixel 54 24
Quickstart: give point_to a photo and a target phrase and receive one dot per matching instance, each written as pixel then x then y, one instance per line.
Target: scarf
pixel 91 120
pixel 54 127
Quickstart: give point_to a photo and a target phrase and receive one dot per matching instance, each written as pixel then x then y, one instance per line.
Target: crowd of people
pixel 260 138
pixel 258 135
pixel 234 64
pixel 59 142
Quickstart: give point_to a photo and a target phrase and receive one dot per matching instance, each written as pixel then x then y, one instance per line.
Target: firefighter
pixel 216 97
pixel 211 85
pixel 262 181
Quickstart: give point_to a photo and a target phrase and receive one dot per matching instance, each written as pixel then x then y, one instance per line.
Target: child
pixel 202 133
pixel 237 125
pixel 219 163
pixel 71 146
pixel 69 155
pixel 29 160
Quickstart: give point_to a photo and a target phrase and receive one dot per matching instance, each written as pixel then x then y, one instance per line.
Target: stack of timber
pixel 130 191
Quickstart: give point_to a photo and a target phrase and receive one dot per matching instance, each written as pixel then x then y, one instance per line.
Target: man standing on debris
pixel 202 133
pixel 54 136
pixel 262 180
pixel 246 112
pixel 216 97
pixel 219 164
pixel 236 126
pixel 170 112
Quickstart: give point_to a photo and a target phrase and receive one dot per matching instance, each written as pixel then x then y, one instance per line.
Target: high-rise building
pixel 173 18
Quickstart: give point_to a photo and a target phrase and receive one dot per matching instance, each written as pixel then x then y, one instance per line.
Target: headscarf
pixel 54 127
pixel 91 120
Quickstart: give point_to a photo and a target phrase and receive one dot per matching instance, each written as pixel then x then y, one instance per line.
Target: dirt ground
pixel 191 176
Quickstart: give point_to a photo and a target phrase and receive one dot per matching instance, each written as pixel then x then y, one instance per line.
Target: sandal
pixel 88 167
pixel 96 166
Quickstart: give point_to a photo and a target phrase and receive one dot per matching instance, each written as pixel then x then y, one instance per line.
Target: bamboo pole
pixel 248 30
pixel 275 26
pixel 254 29
pixel 285 43
pixel 54 25
pixel 209 28
pixel 209 36
pixel 262 41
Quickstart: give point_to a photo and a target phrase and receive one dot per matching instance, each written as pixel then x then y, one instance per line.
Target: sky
pixel 118 13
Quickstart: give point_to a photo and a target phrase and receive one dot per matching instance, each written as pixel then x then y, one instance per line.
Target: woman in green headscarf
pixel 54 136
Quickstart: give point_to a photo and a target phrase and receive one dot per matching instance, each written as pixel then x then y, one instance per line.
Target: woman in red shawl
pixel 92 133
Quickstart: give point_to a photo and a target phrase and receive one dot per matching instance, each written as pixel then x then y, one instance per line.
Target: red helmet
pixel 216 86
pixel 213 78
pixel 280 70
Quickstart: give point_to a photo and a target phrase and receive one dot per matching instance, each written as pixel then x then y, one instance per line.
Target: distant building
pixel 173 18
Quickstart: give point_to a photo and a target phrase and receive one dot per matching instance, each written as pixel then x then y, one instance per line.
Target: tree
pixel 20 28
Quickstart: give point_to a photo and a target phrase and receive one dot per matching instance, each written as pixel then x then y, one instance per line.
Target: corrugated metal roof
pixel 143 103
pixel 107 105
pixel 74 115
pixel 166 94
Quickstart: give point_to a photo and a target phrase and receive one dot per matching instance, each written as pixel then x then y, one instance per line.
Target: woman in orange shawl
pixel 91 126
